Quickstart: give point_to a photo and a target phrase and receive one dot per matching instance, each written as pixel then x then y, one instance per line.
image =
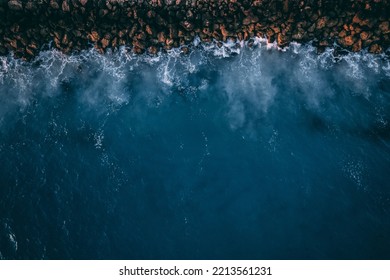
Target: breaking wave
pixel 104 78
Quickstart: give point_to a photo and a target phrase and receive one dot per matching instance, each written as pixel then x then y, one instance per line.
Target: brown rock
pixel 29 6
pixel 224 32
pixel 356 19
pixel 103 12
pixel 169 42
pixel 151 14
pixel 357 46
pixel 375 48
pixel 14 44
pixel 364 35
pixel 188 25
pixel 342 34
pixel 141 36
pixel 347 41
pixel 149 30
pixel 30 52
pixel 276 29
pixel 246 21
pixel 57 42
pixel 138 50
pixel 65 6
pixel 157 22
pixel 121 33
pixel 94 36
pixel 251 28
pixel 321 22
pixel 15 5
pixel 246 35
pixel 152 50
pixel 172 32
pixel 133 30
pixel 285 6
pixel 114 43
pixel 282 40
pixel 299 34
pixel 270 33
pixel 259 27
pixel 323 43
pixel 54 5
pixel 33 46
pixel 362 22
pixel 57 34
pixel 65 40
pixel 384 27
pixel 161 37
pixel 217 36
pixel 357 29
pixel 105 42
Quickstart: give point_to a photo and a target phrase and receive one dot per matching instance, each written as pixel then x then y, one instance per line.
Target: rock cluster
pixel 28 26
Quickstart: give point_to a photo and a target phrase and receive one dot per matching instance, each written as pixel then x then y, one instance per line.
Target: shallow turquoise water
pixel 261 154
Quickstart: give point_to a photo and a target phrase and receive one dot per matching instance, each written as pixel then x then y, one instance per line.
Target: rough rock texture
pixel 28 26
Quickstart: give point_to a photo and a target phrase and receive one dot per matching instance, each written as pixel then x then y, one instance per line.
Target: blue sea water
pixel 222 154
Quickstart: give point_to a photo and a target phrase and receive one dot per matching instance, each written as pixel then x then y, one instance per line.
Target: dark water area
pixel 222 154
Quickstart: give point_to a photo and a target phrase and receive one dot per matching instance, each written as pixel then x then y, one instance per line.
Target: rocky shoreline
pixel 27 27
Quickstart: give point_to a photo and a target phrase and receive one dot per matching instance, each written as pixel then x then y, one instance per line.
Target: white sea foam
pixel 11 237
pixel 355 171
pixel 248 77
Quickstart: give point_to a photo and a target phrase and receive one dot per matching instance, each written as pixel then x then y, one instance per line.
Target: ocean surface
pixel 226 153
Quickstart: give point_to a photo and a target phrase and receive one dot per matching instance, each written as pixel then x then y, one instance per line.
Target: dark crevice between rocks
pixel 27 26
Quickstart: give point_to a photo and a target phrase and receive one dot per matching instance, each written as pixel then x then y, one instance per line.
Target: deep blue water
pixel 259 155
